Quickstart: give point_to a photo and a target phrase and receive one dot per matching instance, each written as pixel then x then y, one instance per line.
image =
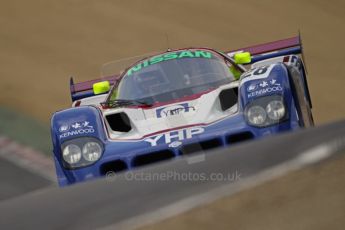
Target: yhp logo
pixel 175 136
pixel 174 110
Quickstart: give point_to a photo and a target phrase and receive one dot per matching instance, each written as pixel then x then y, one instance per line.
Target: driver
pixel 149 82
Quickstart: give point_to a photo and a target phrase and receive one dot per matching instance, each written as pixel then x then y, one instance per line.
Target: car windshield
pixel 173 75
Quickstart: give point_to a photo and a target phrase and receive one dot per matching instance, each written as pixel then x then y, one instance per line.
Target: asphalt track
pixel 110 202
pixel 16 181
pixel 23 169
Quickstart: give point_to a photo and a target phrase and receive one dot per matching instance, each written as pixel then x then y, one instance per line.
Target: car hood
pixel 145 122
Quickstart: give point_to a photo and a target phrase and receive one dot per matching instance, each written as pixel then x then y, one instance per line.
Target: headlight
pixel 81 152
pixel 275 110
pixel 256 115
pixel 92 151
pixel 71 154
pixel 266 111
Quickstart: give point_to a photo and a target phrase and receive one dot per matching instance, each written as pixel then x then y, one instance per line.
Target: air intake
pixel 152 158
pixel 201 146
pixel 239 137
pixel 228 98
pixel 119 122
pixel 113 167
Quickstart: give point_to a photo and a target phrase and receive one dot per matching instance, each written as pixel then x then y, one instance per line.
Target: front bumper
pixel 126 155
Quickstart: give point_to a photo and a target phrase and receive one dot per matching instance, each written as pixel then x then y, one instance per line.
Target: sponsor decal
pixel 252 87
pixel 76 128
pixel 293 60
pixel 169 56
pixel 175 144
pixel 264 87
pixel 175 137
pixel 64 128
pixel 174 110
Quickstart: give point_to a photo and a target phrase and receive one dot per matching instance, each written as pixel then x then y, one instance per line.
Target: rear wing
pixel 260 52
pixel 85 89
pixel 283 47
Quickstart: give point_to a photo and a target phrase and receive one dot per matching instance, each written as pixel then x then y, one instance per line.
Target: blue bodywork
pixel 126 155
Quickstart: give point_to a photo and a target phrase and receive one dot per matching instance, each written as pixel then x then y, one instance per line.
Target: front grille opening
pixel 152 158
pixel 239 137
pixel 201 146
pixel 113 167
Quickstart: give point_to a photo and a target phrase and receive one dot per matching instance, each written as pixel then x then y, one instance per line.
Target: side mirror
pixel 101 87
pixel 243 58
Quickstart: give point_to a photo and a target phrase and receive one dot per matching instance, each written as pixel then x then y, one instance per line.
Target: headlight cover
pixel 92 151
pixel 266 111
pixel 275 110
pixel 71 154
pixel 256 115
pixel 81 152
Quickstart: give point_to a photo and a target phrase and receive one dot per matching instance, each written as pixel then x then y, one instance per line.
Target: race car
pixel 180 102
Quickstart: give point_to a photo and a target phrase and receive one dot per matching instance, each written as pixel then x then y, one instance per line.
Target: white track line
pixel 27 158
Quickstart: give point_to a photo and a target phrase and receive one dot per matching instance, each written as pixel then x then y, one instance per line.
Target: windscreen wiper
pixel 124 102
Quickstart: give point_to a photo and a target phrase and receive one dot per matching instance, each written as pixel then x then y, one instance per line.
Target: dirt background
pixel 43 43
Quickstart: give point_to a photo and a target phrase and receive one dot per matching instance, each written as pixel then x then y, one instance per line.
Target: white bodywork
pixel 268 62
pixel 291 61
pixel 206 109
pixel 203 110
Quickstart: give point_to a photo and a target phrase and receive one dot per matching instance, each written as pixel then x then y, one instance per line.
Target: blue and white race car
pixel 177 103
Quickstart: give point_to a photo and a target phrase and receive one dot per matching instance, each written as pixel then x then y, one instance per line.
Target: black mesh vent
pixel 119 122
pixel 201 146
pixel 114 166
pixel 152 158
pixel 239 137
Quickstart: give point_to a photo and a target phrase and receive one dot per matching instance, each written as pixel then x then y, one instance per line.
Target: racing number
pixel 260 70
pixel 257 71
